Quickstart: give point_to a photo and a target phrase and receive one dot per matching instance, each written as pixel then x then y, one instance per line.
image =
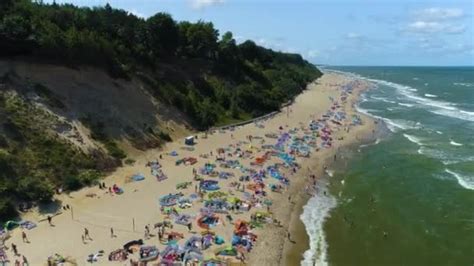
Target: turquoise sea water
pixel 409 199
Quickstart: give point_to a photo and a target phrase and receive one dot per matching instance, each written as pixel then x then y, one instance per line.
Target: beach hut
pixel 189 140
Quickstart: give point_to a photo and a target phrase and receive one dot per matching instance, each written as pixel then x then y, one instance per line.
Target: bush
pixel 114 150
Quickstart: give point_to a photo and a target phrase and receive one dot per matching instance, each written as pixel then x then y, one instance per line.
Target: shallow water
pixel 409 200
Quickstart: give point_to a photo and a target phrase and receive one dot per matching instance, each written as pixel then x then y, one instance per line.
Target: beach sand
pixel 138 206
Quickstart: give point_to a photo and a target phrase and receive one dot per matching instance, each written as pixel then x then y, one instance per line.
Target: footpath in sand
pixel 238 191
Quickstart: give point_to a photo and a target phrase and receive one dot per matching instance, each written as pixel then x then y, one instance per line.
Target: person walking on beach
pixel 160 235
pixel 50 220
pixel 15 250
pixel 86 234
pixel 147 232
pixel 24 237
pixel 112 235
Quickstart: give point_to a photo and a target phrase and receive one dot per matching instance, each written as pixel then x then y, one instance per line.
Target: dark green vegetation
pixel 33 164
pixel 210 78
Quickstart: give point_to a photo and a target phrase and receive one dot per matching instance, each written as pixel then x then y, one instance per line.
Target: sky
pixel 334 32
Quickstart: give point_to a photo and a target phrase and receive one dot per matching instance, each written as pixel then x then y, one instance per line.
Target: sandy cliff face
pixel 73 104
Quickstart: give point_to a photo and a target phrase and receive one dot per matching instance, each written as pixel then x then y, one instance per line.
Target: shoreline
pixel 292 253
pixel 138 204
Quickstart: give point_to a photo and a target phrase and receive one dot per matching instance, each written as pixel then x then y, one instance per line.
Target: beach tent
pixel 170 199
pixel 193 255
pixel 189 140
pixel 228 251
pixel 213 262
pixel 207 221
pixel 194 242
pixel 118 255
pixel 209 185
pixel 148 253
pixel 241 227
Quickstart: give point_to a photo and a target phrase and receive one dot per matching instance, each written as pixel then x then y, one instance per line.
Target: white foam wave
pixel 382 99
pixel 463 180
pixel 377 141
pixel 406 104
pixel 467 112
pixel 439 132
pixel 445 157
pixel 435 106
pixel 467 116
pixel 413 139
pixel 452 142
pixel 391 125
pixel 315 213
pixel 415 78
pixel 431 95
pixel 464 84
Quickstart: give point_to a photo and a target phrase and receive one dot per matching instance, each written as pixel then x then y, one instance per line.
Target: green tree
pixel 162 34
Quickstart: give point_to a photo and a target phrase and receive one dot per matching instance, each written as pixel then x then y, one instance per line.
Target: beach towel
pixel 27 225
pixel 118 255
pixel 138 177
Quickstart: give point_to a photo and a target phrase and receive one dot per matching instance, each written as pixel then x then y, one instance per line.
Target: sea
pixel 407 198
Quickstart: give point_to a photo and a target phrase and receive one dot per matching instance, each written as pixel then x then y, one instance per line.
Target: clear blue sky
pixel 337 32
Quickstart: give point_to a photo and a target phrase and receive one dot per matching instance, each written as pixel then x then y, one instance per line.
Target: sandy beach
pixel 138 206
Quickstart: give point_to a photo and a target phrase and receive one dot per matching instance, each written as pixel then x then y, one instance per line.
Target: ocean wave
pixel 463 84
pixel 396 124
pixel 391 125
pixel 445 157
pixel 435 106
pixel 439 132
pixel 467 113
pixel 406 104
pixel 377 141
pixel 463 180
pixel 404 124
pixel 431 95
pixel 413 139
pixel 452 142
pixel 467 116
pixel 315 213
pixel 382 99
pixel 415 78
